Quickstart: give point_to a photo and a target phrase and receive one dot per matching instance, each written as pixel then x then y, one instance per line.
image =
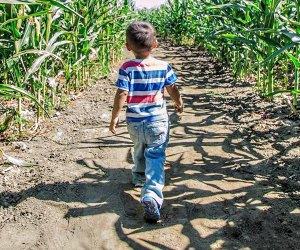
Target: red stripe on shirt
pixel 145 98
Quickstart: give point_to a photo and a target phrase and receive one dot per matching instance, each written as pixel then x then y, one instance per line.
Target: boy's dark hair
pixel 141 36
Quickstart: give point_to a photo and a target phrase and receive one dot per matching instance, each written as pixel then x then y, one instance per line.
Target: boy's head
pixel 140 37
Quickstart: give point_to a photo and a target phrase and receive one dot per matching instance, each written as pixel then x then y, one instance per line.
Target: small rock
pixel 268 136
pixel 20 145
pixel 282 178
pixel 104 116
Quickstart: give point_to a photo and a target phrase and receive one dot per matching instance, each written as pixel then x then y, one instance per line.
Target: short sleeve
pixel 123 80
pixel 170 76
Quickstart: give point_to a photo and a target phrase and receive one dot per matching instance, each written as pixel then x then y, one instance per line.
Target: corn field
pixel 52 49
pixel 257 38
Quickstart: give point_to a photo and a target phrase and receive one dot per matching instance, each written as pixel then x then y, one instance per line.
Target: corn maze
pixel 231 176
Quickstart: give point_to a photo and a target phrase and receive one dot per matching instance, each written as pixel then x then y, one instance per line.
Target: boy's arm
pixel 120 99
pixel 176 97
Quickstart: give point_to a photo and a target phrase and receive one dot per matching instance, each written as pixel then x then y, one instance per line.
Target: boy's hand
pixel 176 97
pixel 179 108
pixel 113 125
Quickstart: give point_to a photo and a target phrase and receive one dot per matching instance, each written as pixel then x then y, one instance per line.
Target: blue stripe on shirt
pixel 122 72
pixel 148 109
pixel 146 86
pixel 147 74
pixel 121 84
pixel 170 80
pixel 148 118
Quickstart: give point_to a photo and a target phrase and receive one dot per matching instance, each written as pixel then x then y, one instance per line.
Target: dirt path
pixel 232 173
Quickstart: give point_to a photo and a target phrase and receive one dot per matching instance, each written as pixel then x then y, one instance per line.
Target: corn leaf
pixel 36 14
pixel 18 162
pixel 295 38
pixel 53 2
pixel 62 6
pixel 278 52
pixel 294 60
pixel 15 90
pixel 18 1
pixel 228 6
pixel 38 62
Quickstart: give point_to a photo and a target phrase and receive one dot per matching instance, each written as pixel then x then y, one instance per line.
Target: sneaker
pixel 139 184
pixel 151 213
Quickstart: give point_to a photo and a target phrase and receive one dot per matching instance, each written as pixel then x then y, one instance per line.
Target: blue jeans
pixel 150 141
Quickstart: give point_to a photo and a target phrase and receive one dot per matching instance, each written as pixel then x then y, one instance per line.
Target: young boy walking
pixel 141 82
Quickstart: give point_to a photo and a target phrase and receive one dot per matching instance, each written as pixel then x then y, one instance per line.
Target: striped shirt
pixel 145 79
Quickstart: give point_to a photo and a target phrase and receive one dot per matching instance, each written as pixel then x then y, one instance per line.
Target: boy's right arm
pixel 120 99
pixel 176 97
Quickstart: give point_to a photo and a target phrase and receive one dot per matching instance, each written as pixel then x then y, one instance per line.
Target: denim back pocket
pixel 157 133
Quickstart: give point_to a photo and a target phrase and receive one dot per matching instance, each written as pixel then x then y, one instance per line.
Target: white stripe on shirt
pixel 145 69
pixel 145 81
pixel 144 93
pixel 169 73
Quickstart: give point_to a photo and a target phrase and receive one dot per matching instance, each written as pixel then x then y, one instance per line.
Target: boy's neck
pixel 142 55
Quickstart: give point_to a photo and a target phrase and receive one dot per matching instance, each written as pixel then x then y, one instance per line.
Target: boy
pixel 141 83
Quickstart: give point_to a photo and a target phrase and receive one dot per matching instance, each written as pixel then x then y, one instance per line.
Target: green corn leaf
pixel 295 38
pixel 290 21
pixel 269 41
pixel 229 36
pixel 5 125
pixel 55 45
pixel 62 6
pixel 38 62
pixel 22 92
pixel 278 52
pixel 40 13
pixel 251 4
pixel 227 6
pixel 8 95
pixel 252 44
pixel 26 35
pixel 52 2
pixel 18 1
pixel 54 38
pixel 294 60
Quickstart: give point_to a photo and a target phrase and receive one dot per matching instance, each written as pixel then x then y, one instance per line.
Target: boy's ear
pixel 155 44
pixel 128 46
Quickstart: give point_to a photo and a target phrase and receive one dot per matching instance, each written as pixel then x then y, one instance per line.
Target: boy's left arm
pixel 119 101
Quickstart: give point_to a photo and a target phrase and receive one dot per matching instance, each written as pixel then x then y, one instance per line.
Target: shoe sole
pixel 150 214
pixel 138 184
